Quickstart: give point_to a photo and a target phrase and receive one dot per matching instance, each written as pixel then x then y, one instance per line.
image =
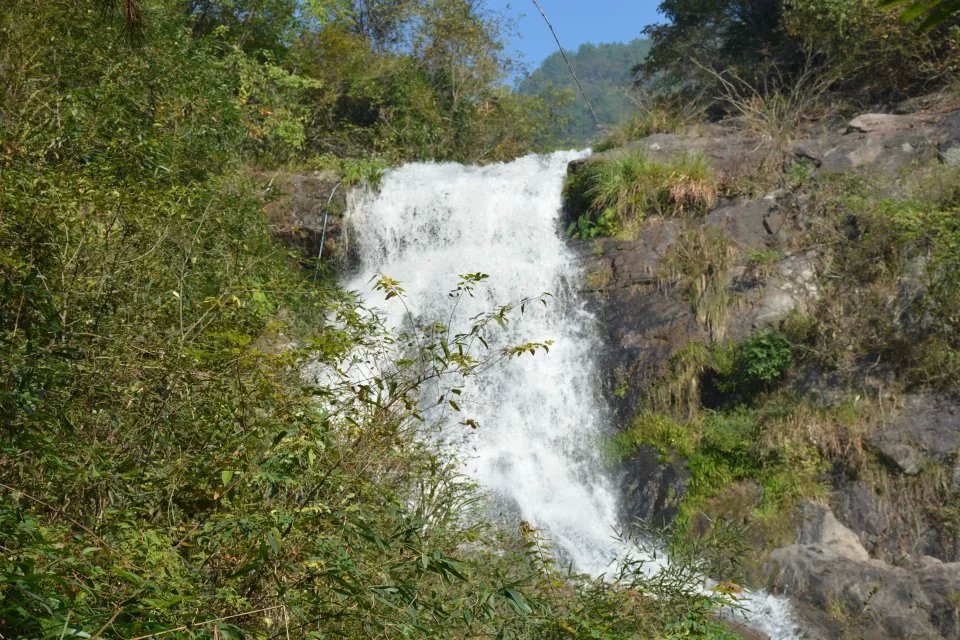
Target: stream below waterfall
pixel 542 421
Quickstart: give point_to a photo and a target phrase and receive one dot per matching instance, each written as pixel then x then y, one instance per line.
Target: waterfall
pixel 541 421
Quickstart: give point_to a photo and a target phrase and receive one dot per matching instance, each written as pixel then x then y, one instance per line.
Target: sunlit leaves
pixel 927 14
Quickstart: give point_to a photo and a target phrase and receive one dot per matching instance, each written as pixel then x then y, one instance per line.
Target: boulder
pixel 927 428
pixel 830 570
pixel 653 486
pixel 820 527
pixel 883 143
pixel 885 123
pixel 297 205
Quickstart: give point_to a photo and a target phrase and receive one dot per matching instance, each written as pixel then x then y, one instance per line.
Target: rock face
pixel 296 205
pixel 926 429
pixel 643 311
pixel 829 569
pixel 884 143
pixel 893 523
pixel 872 564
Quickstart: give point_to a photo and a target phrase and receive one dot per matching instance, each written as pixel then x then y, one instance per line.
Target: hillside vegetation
pixel 605 71
pixel 186 448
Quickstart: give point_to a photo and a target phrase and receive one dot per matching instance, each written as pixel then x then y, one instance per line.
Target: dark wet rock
pixel 296 204
pixel 643 326
pixel 830 570
pixel 643 318
pixel 927 428
pixel 653 486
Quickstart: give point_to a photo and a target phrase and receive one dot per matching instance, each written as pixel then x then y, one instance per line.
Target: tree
pixel 605 70
pixel 769 44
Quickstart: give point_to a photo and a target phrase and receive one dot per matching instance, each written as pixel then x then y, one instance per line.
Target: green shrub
pixel 760 361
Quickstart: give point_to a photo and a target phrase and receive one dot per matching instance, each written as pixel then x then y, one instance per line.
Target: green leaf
pixel 517 601
pixel 226 476
pixel 273 539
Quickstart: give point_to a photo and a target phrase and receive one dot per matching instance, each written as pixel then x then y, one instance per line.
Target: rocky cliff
pixel 872 550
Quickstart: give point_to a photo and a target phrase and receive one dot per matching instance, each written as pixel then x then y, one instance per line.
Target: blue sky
pixel 576 22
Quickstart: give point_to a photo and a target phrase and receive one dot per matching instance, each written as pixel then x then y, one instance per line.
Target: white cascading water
pixel 537 449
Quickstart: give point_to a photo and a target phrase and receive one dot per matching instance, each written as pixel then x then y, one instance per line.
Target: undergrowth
pixel 200 439
pixel 893 279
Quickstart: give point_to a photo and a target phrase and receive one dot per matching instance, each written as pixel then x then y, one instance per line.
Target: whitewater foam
pixel 537 449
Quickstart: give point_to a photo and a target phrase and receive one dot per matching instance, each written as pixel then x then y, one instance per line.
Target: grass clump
pixel 640 124
pixel 612 195
pixel 701 261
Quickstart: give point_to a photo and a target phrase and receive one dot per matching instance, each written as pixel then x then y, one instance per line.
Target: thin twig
pixel 205 622
pixel 569 66
pixel 323 235
pixel 58 511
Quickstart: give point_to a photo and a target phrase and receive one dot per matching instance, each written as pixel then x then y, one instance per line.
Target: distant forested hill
pixel 604 72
